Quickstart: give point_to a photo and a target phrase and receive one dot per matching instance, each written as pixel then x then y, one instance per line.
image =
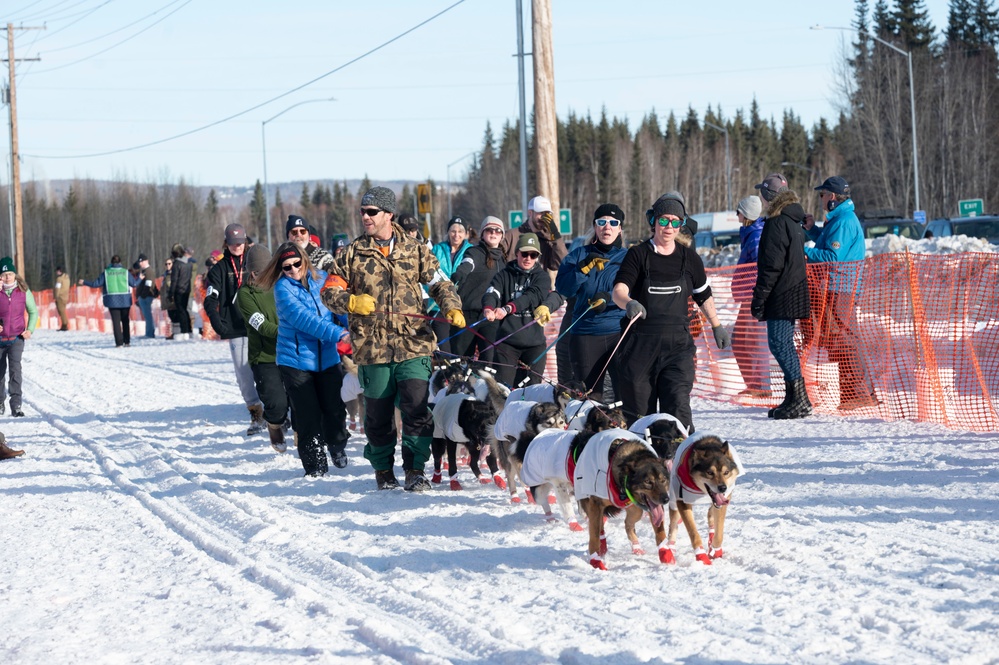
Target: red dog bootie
pixel 575 526
pixel 485 480
pixel 715 553
pixel 597 562
pixel 500 483
pixel 436 478
pixel 702 556
pixel 455 485
pixel 666 556
pixel 603 544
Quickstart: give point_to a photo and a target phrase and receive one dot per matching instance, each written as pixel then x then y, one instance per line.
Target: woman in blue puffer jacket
pixel 308 358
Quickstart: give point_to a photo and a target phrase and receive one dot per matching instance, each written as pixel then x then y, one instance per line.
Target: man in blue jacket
pixel 840 240
pixel 116 284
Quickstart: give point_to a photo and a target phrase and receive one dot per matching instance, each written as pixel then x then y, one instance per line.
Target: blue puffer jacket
pixel 307 333
pixel 571 281
pixel 840 240
pixel 744 275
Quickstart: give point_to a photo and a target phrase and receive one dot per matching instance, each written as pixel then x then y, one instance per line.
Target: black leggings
pixel 508 370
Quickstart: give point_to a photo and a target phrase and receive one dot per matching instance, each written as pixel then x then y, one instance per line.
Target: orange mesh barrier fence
pixel 897 336
pixel 86 311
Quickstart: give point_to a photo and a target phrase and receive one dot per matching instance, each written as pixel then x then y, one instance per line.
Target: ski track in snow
pixel 848 540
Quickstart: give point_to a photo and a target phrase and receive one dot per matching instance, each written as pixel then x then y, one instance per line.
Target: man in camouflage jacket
pixel 377 282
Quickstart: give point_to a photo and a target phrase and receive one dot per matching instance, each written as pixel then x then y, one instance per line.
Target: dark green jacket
pixel 260 314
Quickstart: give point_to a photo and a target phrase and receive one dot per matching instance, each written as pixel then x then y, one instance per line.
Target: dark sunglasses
pixel 299 232
pixel 370 212
pixel 675 223
pixel 530 255
pixel 604 222
pixel 288 267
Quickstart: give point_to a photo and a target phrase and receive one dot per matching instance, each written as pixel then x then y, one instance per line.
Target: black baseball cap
pixel 836 184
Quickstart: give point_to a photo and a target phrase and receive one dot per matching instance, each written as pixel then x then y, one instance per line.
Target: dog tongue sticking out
pixel 657 515
pixel 719 499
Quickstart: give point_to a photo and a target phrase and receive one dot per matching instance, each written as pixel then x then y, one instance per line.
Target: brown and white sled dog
pixel 522 418
pixel 547 462
pixel 616 471
pixel 704 468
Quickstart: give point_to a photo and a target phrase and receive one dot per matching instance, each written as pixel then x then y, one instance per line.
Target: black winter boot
pixel 799 406
pixel 782 405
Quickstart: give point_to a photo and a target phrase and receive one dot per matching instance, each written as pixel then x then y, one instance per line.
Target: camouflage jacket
pixel 388 335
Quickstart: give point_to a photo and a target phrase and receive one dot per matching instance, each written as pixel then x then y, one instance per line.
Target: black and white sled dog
pixel 547 460
pixel 664 432
pixel 461 416
pixel 578 411
pixel 547 392
pixel 522 418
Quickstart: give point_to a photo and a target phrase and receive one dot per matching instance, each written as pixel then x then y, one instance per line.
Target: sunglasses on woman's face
pixel 675 223
pixel 604 222
pixel 294 265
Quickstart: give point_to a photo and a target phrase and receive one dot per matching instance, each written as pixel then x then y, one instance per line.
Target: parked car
pixel 715 239
pixel 985 227
pixel 906 228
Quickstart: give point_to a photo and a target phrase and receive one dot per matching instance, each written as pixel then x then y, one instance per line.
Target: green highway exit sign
pixel 970 208
pixel 516 218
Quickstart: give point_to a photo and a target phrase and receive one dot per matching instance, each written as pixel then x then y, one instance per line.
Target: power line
pixel 82 15
pixel 264 103
pixel 116 30
pixel 129 38
pixel 40 14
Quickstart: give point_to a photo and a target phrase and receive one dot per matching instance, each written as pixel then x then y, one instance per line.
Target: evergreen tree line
pixel 604 159
pixel 955 84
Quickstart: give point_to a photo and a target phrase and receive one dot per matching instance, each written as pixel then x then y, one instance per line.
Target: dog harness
pixel 446 418
pixel 592 477
pixel 576 412
pixel 548 458
pixel 681 483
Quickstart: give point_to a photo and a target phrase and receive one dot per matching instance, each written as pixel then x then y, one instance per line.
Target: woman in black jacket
pixel 471 279
pixel 519 294
pixel 780 296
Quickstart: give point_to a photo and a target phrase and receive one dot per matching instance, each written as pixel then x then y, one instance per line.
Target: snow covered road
pixel 142 526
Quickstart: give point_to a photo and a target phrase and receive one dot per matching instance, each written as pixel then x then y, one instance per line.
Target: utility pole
pixel 15 165
pixel 523 106
pixel 545 120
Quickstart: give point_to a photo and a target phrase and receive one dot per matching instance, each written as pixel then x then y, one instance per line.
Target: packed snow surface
pixel 143 526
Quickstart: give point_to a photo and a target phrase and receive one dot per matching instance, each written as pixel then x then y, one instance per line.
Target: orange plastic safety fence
pixel 85 311
pixel 897 336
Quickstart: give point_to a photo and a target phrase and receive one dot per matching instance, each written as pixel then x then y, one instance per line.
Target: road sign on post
pixel 423 201
pixel 565 221
pixel 919 216
pixel 516 218
pixel 970 208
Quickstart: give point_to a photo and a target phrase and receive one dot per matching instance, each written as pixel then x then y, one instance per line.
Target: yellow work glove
pixel 362 304
pixel 595 263
pixel 542 314
pixel 456 318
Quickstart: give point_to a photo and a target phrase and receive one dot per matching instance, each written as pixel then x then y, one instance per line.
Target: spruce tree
pixel 912 25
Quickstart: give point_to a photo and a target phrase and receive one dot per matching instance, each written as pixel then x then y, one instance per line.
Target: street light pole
pixel 523 106
pixel 462 158
pixel 263 141
pixel 912 97
pixel 728 165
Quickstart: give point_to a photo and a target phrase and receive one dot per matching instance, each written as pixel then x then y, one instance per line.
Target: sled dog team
pixel 583 451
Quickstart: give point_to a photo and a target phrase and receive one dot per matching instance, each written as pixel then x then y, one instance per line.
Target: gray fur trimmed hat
pixel 379 197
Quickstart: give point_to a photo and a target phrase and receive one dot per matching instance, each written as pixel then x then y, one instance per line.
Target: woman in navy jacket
pixel 587 274
pixel 308 358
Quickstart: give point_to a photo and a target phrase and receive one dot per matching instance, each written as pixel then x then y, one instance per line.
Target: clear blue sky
pixel 405 112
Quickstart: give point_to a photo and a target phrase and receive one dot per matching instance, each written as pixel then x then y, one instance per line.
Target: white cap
pixel 539 204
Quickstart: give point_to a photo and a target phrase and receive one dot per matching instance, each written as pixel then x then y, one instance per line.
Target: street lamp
pixel 263 140
pixel 728 165
pixel 912 96
pixel 460 159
